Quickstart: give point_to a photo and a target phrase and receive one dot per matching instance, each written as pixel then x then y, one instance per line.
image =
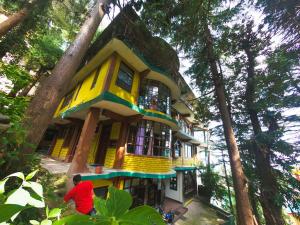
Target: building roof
pixel 128 28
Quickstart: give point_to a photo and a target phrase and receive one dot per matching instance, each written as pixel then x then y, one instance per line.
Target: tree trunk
pixel 227 183
pixel 43 105
pixel 13 20
pixel 40 75
pixel 269 187
pixel 243 207
pixel 253 200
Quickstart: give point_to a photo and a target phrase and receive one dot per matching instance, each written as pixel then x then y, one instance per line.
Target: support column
pixel 79 161
pixel 120 153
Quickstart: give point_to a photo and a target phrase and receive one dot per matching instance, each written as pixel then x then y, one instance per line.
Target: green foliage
pixel 116 210
pixel 212 183
pixel 282 17
pixel 28 195
pixel 23 196
pixel 16 74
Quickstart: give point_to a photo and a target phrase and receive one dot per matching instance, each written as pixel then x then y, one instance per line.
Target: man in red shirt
pixel 82 194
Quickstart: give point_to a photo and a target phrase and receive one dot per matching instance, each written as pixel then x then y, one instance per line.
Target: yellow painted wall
pixel 63 153
pixel 110 158
pixel 94 147
pixel 146 164
pixel 120 92
pixel 115 131
pixel 101 183
pixel 57 147
pixel 85 92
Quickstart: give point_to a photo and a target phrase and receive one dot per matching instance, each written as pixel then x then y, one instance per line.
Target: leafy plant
pixel 115 210
pixel 212 183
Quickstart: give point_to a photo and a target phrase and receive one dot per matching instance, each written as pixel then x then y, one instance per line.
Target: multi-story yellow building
pixel 129 110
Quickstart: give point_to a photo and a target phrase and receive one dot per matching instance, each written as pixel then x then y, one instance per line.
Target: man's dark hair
pixel 76 179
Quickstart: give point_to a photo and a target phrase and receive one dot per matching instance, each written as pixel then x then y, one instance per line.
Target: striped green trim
pixel 185 168
pixel 113 174
pixel 107 96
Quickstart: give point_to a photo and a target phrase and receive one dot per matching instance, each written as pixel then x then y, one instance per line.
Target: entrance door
pixel 103 144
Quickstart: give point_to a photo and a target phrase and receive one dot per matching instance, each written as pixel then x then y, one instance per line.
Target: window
pixel 156 96
pixel 125 77
pixel 149 138
pixel 173 183
pixel 188 151
pixel 95 78
pixel 78 91
pixel 67 99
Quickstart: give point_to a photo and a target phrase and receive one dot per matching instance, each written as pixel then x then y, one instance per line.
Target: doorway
pixel 103 144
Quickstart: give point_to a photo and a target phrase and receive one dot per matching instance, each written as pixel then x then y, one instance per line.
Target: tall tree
pixel 282 17
pixel 16 18
pixel 265 90
pixel 189 25
pixel 42 107
pixel 16 39
pixel 251 45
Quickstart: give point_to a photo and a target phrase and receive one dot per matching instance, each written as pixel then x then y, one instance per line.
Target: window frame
pixel 160 142
pixel 95 79
pixel 127 71
pixel 78 90
pixel 68 99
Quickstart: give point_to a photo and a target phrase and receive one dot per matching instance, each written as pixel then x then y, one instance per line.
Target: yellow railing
pixel 147 164
pixel 181 161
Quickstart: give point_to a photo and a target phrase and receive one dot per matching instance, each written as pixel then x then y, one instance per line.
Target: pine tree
pixel 189 25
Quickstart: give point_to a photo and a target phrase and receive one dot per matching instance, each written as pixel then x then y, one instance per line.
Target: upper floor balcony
pixel 155 96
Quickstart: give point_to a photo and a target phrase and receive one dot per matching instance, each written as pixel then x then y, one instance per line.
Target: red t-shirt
pixel 82 194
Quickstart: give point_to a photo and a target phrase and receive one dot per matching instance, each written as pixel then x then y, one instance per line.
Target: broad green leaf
pixel 35 202
pixel 54 213
pixel 75 219
pixel 46 222
pixel 18 197
pixel 4 223
pixel 17 174
pixel 100 206
pixel 142 215
pixel 102 220
pixel 9 210
pixel 31 175
pixel 34 222
pixel 2 185
pixel 118 202
pixel 36 187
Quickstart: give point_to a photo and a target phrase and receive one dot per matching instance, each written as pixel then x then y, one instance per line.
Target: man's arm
pixel 69 195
